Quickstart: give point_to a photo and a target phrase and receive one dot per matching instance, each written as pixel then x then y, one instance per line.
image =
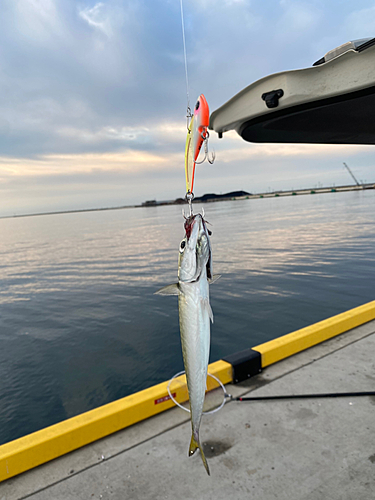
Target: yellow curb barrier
pixel 292 343
pixel 42 446
pixel 57 440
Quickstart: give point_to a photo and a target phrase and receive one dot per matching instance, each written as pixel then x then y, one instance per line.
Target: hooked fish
pixel 194 277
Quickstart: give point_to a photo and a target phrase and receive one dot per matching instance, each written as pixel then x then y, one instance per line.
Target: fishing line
pixel 189 115
pixel 226 395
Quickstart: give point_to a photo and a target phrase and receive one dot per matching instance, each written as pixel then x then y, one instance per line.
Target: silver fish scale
pixel 195 339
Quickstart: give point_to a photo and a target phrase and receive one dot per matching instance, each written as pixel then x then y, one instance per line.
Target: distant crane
pixel 351 173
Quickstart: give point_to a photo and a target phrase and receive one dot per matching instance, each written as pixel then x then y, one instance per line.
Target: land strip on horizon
pixel 211 199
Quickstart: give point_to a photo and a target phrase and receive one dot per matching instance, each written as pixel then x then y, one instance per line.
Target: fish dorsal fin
pixel 214 278
pixel 169 290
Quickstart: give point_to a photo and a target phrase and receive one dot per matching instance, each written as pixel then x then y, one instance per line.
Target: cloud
pixel 36 21
pixel 96 90
pixel 266 151
pixel 96 17
pixel 361 23
pixel 127 161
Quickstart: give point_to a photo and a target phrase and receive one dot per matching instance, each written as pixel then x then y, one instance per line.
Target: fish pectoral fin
pixel 206 305
pixel 169 290
pixel 194 445
pixel 214 278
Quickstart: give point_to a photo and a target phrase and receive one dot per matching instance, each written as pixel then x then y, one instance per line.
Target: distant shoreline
pixel 210 199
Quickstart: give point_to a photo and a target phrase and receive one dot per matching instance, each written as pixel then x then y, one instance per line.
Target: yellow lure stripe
pixel 189 159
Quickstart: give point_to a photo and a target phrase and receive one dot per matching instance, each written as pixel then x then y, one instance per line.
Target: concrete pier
pixel 290 449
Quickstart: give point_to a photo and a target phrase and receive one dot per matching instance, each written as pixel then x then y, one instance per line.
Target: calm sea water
pixel 80 325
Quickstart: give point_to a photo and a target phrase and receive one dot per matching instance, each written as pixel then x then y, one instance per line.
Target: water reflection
pixel 78 313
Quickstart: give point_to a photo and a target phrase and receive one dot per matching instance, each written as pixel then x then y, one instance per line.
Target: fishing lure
pixel 196 136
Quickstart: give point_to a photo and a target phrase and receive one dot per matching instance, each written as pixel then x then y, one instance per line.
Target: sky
pixel 93 97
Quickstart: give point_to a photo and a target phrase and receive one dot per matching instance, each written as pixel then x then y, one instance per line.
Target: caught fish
pixel 194 277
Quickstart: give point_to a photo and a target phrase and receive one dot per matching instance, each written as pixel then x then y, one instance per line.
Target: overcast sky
pixel 93 96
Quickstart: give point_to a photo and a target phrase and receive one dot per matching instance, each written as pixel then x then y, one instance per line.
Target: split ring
pixel 226 395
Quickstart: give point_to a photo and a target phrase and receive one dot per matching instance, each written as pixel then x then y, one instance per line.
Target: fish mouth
pixel 198 240
pixel 189 223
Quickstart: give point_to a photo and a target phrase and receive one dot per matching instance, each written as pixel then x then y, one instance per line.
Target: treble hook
pixel 206 154
pixel 212 159
pixel 213 156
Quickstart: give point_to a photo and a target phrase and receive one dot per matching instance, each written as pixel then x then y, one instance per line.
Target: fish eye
pixel 182 245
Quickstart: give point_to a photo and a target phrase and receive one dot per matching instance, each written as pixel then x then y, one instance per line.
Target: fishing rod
pixel 307 396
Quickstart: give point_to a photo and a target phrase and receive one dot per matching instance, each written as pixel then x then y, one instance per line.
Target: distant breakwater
pixel 212 197
pixel 243 195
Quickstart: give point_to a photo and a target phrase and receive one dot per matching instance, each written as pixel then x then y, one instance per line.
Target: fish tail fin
pixel 194 445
